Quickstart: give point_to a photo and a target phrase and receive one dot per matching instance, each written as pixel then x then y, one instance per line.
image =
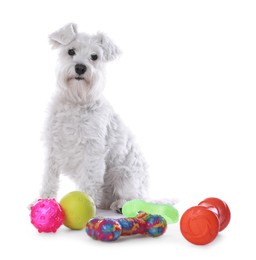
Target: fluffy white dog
pixel 86 140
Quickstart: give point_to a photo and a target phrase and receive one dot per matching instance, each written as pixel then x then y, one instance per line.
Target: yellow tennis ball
pixel 78 208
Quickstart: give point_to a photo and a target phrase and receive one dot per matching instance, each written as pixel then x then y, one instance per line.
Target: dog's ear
pixel 64 35
pixel 110 50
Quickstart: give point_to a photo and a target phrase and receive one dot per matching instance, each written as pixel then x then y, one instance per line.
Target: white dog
pixel 86 140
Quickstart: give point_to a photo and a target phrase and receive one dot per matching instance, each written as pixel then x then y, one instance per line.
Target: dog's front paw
pixel 117 205
pixel 43 195
pixel 47 195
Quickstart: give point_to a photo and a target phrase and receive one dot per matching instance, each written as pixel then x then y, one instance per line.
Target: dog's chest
pixel 74 128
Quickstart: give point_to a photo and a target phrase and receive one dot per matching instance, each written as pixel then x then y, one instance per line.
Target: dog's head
pixel 81 62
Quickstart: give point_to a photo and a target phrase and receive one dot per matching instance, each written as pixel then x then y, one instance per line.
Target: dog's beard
pixel 81 89
pixel 78 89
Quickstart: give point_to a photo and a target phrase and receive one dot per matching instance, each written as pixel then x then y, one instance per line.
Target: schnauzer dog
pixel 85 139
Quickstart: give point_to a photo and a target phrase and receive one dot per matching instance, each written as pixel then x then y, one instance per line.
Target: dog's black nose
pixel 80 69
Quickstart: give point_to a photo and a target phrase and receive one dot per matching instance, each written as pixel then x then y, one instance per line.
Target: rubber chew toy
pixel 132 207
pixel 107 229
pixel 74 210
pixel 47 215
pixel 200 224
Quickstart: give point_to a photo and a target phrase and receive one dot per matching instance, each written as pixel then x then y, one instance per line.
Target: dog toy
pixel 74 210
pixel 107 229
pixel 47 215
pixel 79 208
pixel 132 207
pixel 200 224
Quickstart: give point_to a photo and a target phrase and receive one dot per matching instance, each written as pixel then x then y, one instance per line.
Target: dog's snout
pixel 80 69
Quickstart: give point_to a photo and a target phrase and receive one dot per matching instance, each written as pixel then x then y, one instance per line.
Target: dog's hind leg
pixel 121 185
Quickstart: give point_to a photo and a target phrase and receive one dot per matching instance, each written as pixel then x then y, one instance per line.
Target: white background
pixel 185 85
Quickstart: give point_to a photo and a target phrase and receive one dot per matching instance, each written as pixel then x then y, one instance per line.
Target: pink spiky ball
pixel 47 215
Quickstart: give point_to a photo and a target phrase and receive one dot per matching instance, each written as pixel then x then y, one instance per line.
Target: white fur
pixel 86 140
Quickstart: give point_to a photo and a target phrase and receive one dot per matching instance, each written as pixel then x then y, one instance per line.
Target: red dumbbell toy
pixel 201 224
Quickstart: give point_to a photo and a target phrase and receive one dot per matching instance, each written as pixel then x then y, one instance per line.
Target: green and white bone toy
pixel 132 207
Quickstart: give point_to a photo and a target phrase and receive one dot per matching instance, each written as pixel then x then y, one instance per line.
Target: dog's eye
pixel 71 52
pixel 94 56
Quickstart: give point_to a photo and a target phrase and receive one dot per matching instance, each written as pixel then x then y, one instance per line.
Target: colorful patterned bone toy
pixel 107 229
